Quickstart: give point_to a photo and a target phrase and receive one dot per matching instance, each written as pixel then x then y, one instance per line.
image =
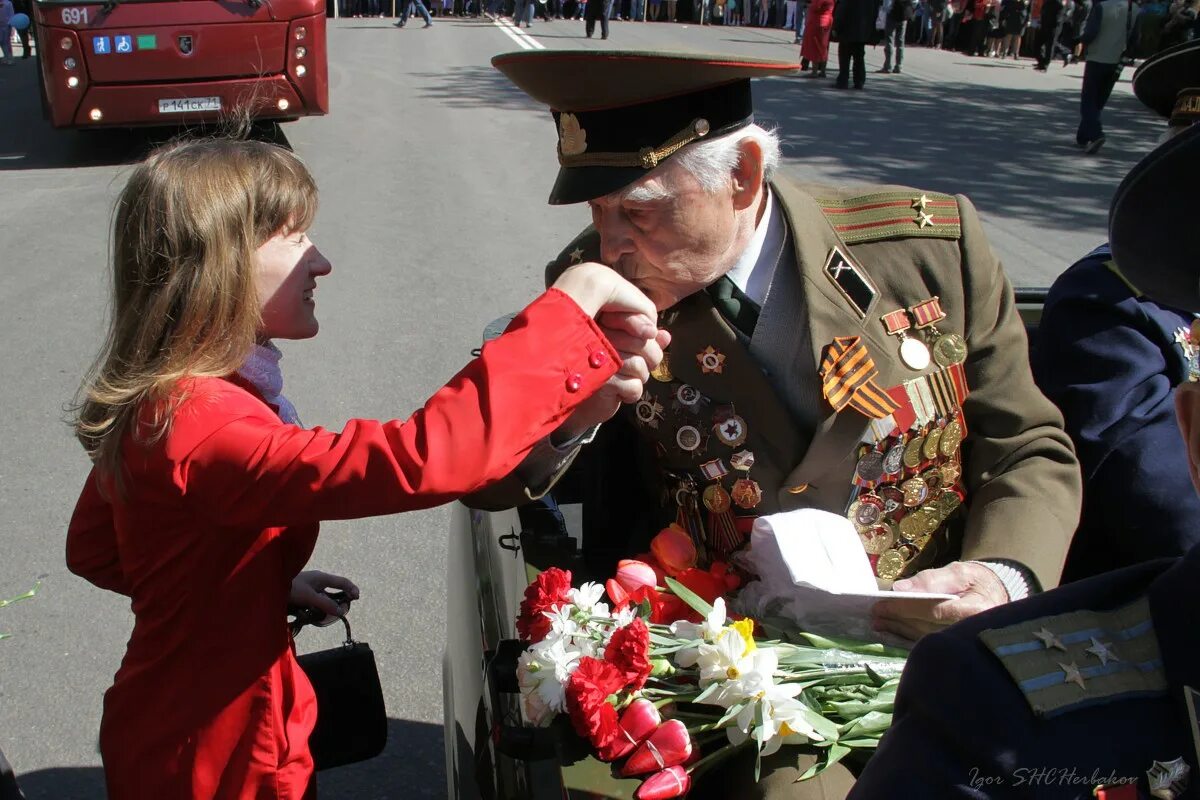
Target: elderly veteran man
pixel 1089 690
pixel 1111 358
pixel 855 351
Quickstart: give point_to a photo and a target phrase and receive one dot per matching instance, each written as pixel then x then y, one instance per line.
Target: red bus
pixel 165 62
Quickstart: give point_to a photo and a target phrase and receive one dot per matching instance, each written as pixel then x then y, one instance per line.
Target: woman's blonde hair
pixel 186 229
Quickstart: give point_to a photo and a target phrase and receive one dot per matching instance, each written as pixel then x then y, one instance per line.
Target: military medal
pixel 716 499
pixel 948 348
pixel 915 492
pixel 648 410
pixel 952 436
pixel 878 539
pixel 866 512
pixel 688 396
pixel 1168 779
pixel 912 452
pixel 890 565
pixel 948 502
pixel 662 373
pixel 746 493
pixel 893 500
pixel 688 438
pixel 913 352
pixel 932 478
pixel 912 528
pixel 929 449
pixel 950 472
pixel 742 460
pixel 893 460
pixel 869 470
pixel 731 431
pixel 711 360
pixel 714 470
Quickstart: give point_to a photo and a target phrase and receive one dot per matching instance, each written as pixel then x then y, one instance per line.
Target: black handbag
pixel 351 718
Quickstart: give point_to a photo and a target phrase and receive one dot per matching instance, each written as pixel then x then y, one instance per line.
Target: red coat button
pixel 597 358
pixel 575 382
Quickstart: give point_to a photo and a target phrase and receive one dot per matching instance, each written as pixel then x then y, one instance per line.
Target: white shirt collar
pixel 754 269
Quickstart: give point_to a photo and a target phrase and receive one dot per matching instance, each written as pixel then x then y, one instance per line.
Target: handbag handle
pixel 300 623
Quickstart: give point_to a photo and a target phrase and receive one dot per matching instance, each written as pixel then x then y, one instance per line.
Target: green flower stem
pixel 716 757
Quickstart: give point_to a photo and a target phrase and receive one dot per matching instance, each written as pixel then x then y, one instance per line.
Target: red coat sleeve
pixel 254 470
pixel 92 541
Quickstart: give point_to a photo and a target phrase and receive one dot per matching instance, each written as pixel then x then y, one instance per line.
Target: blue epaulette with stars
pixel 1082 658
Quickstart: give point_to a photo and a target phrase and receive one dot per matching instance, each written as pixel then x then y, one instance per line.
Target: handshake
pixel 630 322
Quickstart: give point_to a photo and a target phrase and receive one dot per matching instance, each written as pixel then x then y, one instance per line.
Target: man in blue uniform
pixel 1088 690
pixel 1110 358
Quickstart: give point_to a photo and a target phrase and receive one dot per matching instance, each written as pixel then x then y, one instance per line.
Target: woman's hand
pixel 596 288
pixel 308 591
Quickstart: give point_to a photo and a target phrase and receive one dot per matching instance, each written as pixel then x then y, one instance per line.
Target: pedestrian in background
pixel 939 12
pixel 1014 18
pixel 817 29
pixel 1104 34
pixel 407 8
pixel 24 7
pixel 1047 33
pixel 899 14
pixel 596 10
pixel 6 14
pixel 854 24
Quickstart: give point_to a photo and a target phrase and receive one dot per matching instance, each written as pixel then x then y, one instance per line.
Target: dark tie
pixel 732 303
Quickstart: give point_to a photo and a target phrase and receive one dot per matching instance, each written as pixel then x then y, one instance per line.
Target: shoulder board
pixel 893 215
pixel 1083 658
pixel 584 247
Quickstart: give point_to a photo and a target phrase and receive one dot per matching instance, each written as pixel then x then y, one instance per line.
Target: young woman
pixel 205 496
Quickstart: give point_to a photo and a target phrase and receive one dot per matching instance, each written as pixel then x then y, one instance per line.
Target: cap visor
pixel 580 184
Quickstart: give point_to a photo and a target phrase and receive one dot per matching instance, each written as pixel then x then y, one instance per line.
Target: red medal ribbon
pixel 896 321
pixel 928 312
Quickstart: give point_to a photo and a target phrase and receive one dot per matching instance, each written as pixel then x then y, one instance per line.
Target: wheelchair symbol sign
pixel 124 43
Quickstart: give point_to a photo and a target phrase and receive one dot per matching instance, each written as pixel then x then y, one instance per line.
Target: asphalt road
pixel 434 175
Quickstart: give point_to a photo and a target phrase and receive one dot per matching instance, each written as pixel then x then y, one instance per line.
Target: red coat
pixel 221 514
pixel 817 26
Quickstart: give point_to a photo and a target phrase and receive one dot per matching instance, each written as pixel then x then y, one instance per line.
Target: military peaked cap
pixel 1169 83
pixel 622 113
pixel 1152 223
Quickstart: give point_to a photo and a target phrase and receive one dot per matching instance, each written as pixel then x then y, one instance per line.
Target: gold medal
pixel 716 499
pixel 866 512
pixel 950 472
pixel 932 478
pixel 948 503
pixel 912 452
pixel 951 438
pixel 948 349
pixel 915 492
pixel 908 551
pixel 746 493
pixel 711 360
pixel 930 448
pixel 912 527
pixel 878 539
pixel 931 517
pixel 662 373
pixel 890 565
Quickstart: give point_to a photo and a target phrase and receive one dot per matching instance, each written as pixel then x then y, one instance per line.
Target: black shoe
pixel 884 69
pixel 841 85
pixel 1094 145
pixel 858 86
pixel 896 71
pixel 399 24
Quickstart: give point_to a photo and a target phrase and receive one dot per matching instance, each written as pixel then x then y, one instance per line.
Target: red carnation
pixel 588 690
pixel 549 589
pixel 629 651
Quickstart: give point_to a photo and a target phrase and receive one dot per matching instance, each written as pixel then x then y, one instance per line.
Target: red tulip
pixel 672 782
pixel 640 720
pixel 669 745
pixel 674 550
pixel 706 585
pixel 616 593
pixel 631 574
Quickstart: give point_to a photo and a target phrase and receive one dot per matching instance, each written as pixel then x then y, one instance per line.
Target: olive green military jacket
pixel 1019 475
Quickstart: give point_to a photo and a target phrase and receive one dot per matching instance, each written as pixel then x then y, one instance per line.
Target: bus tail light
pixel 301 52
pixel 65 43
pixel 300 70
pixel 301 32
pixel 72 82
pixel 283 104
pixel 96 115
pixel 69 63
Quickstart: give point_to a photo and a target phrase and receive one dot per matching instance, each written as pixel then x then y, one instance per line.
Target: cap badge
pixel 572 139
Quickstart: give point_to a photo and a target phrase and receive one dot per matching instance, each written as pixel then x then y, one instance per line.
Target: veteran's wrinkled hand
pixel 977 589
pixel 629 321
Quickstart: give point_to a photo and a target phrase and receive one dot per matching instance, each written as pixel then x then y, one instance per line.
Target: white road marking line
pixel 525 38
pixel 514 35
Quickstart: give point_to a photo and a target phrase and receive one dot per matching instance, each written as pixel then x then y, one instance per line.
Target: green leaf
pixel 694 601
pixel 712 689
pixel 831 756
pixel 25 596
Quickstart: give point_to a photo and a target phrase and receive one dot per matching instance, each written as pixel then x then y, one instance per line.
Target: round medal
pixel 912 527
pixel 931 517
pixel 687 395
pixel 932 478
pixel 731 431
pixel 929 449
pixel 688 438
pixel 949 349
pixel 866 512
pixel 912 452
pixel 915 492
pixel 662 373
pixel 746 493
pixel 893 499
pixel 716 499
pixel 893 460
pixel 914 353
pixel 890 565
pixel 870 467
pixel 908 551
pixel 950 473
pixel 648 411
pixel 948 502
pixel 951 438
pixel 877 539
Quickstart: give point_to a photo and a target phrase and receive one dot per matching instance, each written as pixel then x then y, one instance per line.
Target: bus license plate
pixel 184 105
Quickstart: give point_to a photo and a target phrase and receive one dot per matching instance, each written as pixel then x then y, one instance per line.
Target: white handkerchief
pixel 819 549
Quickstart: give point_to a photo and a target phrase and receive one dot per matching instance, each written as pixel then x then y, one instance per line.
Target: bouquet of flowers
pixel 668 683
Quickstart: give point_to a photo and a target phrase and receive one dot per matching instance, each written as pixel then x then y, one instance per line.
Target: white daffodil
pixel 587 599
pixel 542 673
pixel 706 631
pixel 773 723
pixel 724 660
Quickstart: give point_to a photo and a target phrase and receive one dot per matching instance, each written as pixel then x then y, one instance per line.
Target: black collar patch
pixel 851 280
